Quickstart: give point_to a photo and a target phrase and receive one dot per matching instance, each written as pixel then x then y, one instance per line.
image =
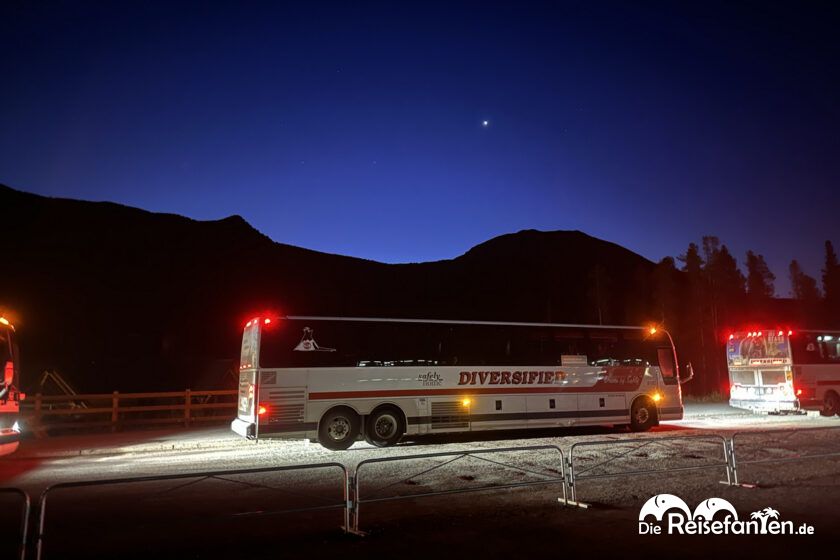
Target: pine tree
pixel 695 315
pixel 803 287
pixel 831 283
pixel 665 296
pixel 759 277
pixel 728 285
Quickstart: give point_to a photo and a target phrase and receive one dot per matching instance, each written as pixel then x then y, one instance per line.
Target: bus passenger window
pixel 831 347
pixel 666 362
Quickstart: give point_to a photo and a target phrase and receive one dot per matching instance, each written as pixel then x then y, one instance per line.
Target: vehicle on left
pixel 10 395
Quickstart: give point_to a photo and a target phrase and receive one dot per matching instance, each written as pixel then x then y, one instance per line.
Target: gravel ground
pixel 236 513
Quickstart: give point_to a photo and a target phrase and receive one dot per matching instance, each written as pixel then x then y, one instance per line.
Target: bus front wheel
pixel 642 415
pixel 384 427
pixel 831 404
pixel 339 428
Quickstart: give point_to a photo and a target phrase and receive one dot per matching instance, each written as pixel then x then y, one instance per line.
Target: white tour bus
pixel 780 370
pixel 335 380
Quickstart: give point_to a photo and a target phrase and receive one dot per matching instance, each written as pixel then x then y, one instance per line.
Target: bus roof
pixel 456 322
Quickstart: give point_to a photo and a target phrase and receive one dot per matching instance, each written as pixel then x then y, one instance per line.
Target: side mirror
pixel 690 371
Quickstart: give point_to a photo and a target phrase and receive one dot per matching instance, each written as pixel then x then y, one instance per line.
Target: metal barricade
pixel 357 499
pixel 798 456
pixel 24 516
pixel 345 504
pixel 575 475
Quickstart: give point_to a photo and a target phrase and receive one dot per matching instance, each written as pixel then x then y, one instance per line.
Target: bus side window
pixel 666 362
pixel 831 347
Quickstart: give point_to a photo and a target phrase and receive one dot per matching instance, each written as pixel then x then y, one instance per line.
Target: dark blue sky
pixel 356 128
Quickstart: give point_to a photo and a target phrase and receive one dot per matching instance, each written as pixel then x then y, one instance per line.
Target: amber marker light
pixel 466 402
pixel 656 397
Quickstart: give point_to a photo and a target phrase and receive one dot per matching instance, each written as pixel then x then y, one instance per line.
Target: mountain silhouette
pixel 118 298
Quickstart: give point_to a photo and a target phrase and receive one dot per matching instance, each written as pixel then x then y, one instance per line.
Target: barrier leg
pixel 352 511
pixel 570 482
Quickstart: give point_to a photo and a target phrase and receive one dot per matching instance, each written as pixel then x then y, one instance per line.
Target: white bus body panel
pixel 816 381
pixel 432 399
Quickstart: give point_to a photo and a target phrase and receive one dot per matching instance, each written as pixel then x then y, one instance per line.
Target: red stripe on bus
pixel 467 390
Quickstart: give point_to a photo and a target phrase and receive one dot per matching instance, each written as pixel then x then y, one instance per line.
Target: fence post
pixel 570 476
pixel 115 407
pixel 187 404
pixel 732 464
pixel 37 417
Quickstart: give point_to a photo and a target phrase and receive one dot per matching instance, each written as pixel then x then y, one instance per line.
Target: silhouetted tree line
pixel 703 295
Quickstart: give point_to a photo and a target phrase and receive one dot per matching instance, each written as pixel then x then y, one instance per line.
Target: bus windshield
pixel 250 345
pixel 758 348
pixel 5 346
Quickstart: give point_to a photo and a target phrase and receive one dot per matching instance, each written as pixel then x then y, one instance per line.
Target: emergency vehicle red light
pixel 798 392
pixel 262 410
pixel 267 321
pixel 781 333
pixel 731 336
pixel 790 333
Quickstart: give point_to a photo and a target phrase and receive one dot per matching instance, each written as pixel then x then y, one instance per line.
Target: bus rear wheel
pixel 339 428
pixel 831 404
pixel 385 427
pixel 642 415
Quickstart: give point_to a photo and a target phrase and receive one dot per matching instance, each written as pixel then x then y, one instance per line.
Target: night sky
pixel 360 129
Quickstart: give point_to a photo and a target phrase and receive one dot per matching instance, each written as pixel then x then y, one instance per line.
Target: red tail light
pixel 9 373
pixel 262 410
pixel 798 392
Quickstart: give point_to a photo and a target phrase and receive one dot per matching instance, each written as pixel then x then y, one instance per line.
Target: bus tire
pixel 642 415
pixel 831 404
pixel 385 426
pixel 339 428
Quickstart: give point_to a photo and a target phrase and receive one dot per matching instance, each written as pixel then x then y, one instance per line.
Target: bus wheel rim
pixel 385 426
pixel 339 428
pixel 642 415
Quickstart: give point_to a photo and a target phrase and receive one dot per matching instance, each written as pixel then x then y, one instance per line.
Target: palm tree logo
pixel 763 515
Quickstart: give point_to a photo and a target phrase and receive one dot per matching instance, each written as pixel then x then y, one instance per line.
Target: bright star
pixel 485 124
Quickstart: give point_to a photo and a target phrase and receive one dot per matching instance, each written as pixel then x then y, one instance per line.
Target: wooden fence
pixel 42 413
